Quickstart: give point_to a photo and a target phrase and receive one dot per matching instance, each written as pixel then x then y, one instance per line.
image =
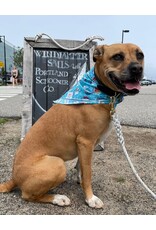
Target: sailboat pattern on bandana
pixel 85 91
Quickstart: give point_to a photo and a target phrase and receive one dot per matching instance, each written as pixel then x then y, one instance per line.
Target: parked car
pixel 1 80
pixel 153 81
pixel 5 79
pixel 146 82
pixel 8 79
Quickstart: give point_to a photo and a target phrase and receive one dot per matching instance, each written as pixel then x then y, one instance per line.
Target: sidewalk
pixel 11 106
pixel 11 89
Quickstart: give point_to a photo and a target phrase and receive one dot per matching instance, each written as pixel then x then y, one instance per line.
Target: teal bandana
pixel 86 91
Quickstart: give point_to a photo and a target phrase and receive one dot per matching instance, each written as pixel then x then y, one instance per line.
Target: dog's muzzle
pixel 129 80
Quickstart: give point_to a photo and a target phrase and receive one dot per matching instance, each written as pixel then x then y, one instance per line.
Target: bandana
pixel 86 91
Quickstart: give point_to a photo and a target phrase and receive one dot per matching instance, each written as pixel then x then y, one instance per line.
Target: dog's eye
pixel 118 57
pixel 140 56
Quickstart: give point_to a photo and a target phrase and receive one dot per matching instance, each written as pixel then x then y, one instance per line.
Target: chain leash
pixel 120 137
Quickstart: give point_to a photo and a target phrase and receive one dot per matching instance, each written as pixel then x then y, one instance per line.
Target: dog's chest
pixel 106 133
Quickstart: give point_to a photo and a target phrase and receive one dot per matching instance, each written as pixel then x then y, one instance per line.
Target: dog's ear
pixel 98 52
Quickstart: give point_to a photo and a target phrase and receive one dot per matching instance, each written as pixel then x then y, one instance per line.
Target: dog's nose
pixel 135 68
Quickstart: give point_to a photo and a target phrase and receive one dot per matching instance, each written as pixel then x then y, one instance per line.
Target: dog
pixel 72 128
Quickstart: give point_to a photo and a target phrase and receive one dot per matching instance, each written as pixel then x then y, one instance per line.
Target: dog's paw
pixel 61 200
pixel 95 202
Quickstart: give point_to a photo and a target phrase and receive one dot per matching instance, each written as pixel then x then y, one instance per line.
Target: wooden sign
pixel 49 72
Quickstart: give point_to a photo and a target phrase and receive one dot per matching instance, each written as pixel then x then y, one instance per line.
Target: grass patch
pixel 3 121
pixel 119 179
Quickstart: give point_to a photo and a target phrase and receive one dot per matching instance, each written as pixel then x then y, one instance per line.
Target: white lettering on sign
pixel 54 68
pixel 51 81
pixel 40 72
pixel 48 89
pixel 61 55
pixel 58 64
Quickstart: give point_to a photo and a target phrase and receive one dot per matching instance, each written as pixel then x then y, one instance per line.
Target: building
pixel 6 53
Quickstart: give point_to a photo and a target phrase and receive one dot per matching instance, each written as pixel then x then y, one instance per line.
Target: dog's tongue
pixel 130 86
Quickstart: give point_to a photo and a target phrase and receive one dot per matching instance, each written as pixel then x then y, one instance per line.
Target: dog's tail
pixel 7 186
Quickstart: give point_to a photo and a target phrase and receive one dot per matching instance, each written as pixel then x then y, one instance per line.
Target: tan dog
pixel 68 131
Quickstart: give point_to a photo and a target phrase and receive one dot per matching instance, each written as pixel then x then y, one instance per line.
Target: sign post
pixel 1 64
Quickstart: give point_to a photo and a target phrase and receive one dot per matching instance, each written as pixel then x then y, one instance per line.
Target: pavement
pixel 11 101
pixel 138 110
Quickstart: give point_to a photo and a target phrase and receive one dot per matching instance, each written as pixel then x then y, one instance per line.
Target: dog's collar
pixel 105 89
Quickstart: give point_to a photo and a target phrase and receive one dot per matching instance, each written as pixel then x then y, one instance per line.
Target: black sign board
pixel 53 71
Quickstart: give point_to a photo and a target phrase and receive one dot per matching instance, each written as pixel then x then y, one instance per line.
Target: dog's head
pixel 120 67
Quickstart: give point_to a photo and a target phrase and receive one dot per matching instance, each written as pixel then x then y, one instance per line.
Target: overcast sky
pixel 142 28
pixel 142 31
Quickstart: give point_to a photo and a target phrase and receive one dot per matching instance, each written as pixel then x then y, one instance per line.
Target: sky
pixel 79 27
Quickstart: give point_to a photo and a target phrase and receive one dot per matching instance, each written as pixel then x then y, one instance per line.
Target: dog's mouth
pixel 130 86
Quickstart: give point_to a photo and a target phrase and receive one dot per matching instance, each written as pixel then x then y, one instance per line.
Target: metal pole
pixel 122 36
pixel 5 55
pixel 4 52
pixel 5 61
pixel 124 31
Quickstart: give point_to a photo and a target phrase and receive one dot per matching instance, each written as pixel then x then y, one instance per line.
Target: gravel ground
pixel 113 180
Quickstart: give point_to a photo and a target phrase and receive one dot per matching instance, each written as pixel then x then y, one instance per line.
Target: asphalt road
pixel 138 110
pixel 10 101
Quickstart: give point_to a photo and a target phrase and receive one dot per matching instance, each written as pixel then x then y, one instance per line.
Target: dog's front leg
pixel 85 149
